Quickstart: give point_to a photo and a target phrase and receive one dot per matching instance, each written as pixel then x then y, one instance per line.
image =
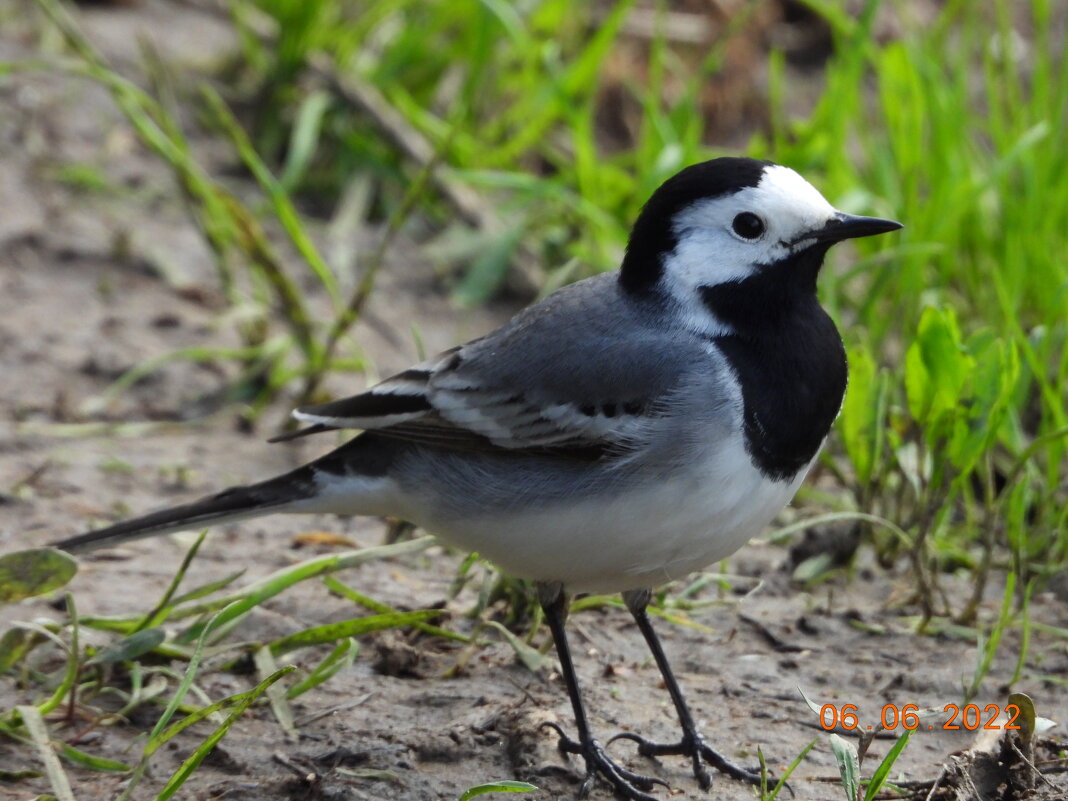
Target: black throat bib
pixel 788 357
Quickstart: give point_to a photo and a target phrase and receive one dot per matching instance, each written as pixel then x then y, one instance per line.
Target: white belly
pixel 608 537
pixel 631 540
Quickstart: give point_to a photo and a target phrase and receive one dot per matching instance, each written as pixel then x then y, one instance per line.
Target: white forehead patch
pixel 708 252
pixel 784 199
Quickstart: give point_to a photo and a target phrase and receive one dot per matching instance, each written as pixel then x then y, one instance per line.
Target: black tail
pixel 236 503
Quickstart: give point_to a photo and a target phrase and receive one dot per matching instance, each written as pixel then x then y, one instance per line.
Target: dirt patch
pixel 93 282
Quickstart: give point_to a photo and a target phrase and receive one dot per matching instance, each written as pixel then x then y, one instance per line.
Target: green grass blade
pixel 497 787
pixel 283 206
pixel 276 693
pixel 845 754
pixel 343 655
pixel 878 779
pixel 159 612
pixel 377 606
pixel 304 138
pixel 207 589
pixel 774 792
pixel 57 777
pixel 173 704
pixel 237 704
pixel 70 677
pixel 332 632
pixel 90 761
pixel 532 659
pixel 179 695
pixel 258 592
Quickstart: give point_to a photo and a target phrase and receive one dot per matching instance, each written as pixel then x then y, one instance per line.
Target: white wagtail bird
pixel 627 430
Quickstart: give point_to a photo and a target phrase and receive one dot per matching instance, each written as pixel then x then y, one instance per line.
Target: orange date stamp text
pixel 908 716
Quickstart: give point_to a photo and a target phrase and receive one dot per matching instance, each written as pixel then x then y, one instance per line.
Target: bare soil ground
pixel 94 282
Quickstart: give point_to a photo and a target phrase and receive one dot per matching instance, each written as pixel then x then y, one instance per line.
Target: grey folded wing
pixel 581 374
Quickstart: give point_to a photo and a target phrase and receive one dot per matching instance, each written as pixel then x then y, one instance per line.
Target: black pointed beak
pixel 850 226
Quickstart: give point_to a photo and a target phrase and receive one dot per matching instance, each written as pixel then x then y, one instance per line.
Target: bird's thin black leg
pixel 692 743
pixel 627 784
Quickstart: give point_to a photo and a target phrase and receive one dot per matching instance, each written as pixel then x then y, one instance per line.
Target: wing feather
pixel 583 372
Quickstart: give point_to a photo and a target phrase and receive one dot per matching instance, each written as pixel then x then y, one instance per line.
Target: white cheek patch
pixel 708 254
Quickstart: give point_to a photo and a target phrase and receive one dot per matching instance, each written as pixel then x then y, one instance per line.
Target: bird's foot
pixel 694 746
pixel 627 783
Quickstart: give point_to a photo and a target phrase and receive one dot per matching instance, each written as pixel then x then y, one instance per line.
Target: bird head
pixel 730 220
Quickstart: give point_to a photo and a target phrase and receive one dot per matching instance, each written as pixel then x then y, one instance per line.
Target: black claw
pixel 586 786
pixel 704 778
pixel 627 783
pixel 720 763
pixel 699 752
pixel 564 744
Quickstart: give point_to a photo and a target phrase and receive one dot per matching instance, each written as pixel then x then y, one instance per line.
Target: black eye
pixel 748 226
